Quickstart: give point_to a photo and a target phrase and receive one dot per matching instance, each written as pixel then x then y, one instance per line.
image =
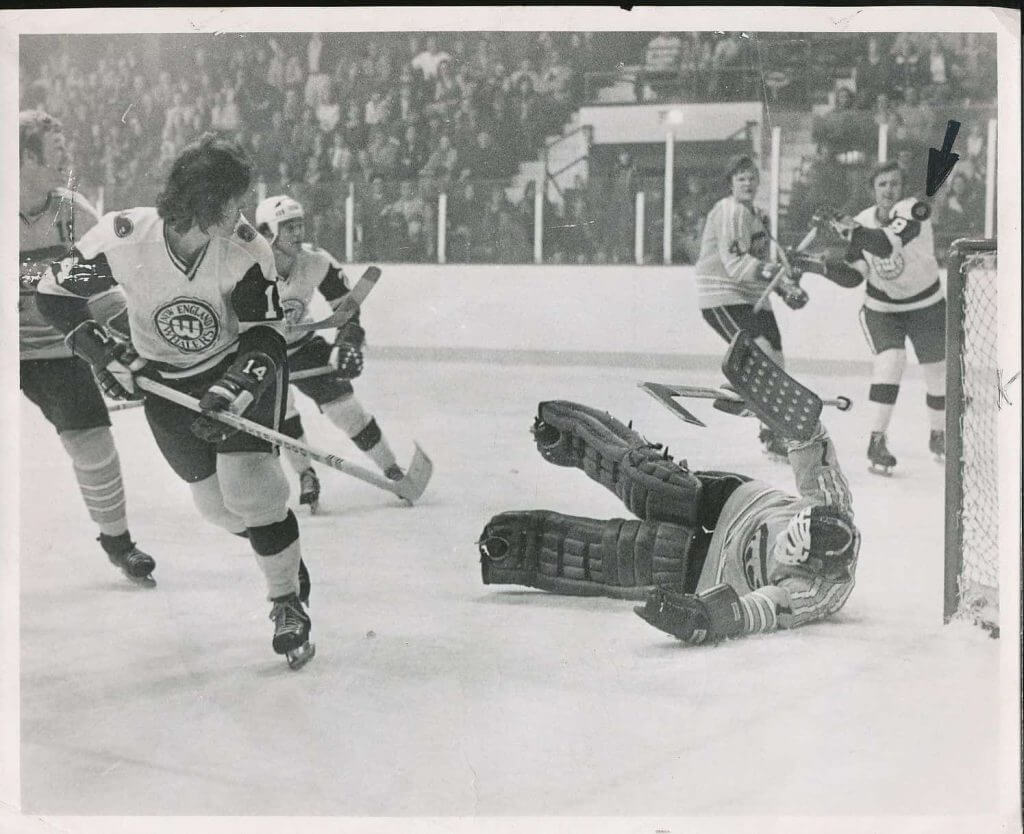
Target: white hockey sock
pixel 299 462
pixel 885 385
pixel 207 497
pixel 98 471
pixel 349 415
pixel 281 570
pixel 935 386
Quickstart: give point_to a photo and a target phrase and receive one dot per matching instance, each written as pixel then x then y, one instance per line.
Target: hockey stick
pixel 787 267
pixel 662 391
pixel 348 307
pixel 123 405
pixel 409 488
pixel 309 373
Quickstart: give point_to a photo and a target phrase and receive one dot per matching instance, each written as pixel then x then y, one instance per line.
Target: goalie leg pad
pixel 648 481
pixel 583 556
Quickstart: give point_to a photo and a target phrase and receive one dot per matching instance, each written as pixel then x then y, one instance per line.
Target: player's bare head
pixel 209 178
pixel 887 183
pixel 743 177
pixel 41 140
pixel 821 539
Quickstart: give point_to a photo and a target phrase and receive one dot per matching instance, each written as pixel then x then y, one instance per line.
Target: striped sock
pixel 98 471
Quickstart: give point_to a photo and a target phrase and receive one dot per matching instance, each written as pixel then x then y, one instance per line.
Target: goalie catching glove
pixel 708 616
pixel 114 362
pixel 351 338
pixel 244 382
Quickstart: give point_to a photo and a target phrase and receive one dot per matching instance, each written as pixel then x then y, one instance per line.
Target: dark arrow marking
pixel 941 162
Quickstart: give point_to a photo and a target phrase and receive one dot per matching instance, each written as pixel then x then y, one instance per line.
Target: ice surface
pixel 434 695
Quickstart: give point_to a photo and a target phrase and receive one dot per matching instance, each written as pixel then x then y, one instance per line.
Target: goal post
pixel 971 586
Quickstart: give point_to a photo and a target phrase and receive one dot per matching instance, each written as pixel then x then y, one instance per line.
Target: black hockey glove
pixel 245 380
pixel 708 616
pixel 114 362
pixel 350 350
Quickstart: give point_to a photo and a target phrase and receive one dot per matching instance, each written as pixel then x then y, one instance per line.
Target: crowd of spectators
pixel 913 84
pixel 395 119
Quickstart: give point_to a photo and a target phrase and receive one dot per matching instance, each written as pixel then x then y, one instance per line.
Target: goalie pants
pixel 728 320
pixel 191 458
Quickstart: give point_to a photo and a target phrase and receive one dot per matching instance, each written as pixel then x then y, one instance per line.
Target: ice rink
pixel 433 695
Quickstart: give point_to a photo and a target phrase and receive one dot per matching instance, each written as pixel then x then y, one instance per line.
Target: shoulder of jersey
pixel 120 228
pixel 316 253
pixel 245 239
pixel 912 209
pixel 866 217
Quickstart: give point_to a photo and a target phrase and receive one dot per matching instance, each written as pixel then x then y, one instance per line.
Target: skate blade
pixel 879 469
pixel 297 658
pixel 142 581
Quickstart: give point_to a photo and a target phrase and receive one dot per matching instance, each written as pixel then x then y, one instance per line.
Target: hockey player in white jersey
pixel 713 554
pixel 51 219
pixel 733 269
pixel 203 317
pixel 303 270
pixel 891 249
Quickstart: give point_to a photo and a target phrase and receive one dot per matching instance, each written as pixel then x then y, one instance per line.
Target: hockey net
pixel 972 435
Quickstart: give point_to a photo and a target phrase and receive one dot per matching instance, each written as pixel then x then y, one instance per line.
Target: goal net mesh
pixel 973 340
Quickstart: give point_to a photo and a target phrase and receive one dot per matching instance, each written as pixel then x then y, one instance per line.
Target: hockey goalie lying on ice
pixel 713 554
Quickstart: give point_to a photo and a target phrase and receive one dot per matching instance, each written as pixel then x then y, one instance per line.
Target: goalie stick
pixel 409 488
pixel 760 387
pixel 348 307
pixel 787 267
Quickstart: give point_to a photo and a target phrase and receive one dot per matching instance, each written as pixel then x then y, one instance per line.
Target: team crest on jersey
pixel 188 324
pixel 294 309
pixel 123 226
pixel 246 232
pixel 889 268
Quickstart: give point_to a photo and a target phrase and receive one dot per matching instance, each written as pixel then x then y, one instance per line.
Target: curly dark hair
pixel 206 175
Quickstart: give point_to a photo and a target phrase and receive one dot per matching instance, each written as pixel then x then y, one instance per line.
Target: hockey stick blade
pixel 276 438
pixel 664 394
pixel 349 305
pixel 417 476
pixel 787 268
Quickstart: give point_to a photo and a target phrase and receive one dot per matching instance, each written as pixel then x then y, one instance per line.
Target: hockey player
pixel 204 318
pixel 51 218
pixel 302 270
pixel 891 245
pixel 714 554
pixel 733 270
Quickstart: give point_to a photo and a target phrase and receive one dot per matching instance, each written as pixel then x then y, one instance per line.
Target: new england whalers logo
pixel 294 309
pixel 188 324
pixel 889 268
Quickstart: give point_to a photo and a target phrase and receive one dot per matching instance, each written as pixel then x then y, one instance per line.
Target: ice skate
pixel 135 564
pixel 309 490
pixel 774 446
pixel 879 455
pixel 937 444
pixel 291 631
